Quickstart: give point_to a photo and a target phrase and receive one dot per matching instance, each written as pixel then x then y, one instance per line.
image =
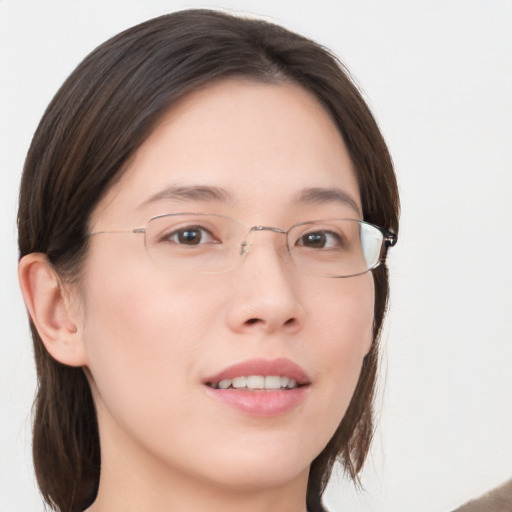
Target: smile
pixel 256 383
pixel 260 387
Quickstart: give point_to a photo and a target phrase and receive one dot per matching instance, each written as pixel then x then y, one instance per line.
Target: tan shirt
pixel 497 500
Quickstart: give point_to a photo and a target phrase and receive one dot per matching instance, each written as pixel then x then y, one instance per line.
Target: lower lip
pixel 260 403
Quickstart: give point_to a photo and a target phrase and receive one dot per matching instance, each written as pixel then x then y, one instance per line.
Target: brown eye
pixel 319 240
pixel 190 235
pixel 316 240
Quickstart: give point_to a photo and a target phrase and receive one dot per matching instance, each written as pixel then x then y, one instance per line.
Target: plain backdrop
pixel 438 76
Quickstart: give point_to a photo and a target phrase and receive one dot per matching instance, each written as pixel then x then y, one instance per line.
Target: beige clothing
pixel 497 500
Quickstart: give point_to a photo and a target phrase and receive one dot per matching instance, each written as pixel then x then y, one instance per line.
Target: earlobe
pixel 50 310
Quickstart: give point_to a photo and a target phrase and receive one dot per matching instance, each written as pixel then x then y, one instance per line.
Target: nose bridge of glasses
pixel 246 244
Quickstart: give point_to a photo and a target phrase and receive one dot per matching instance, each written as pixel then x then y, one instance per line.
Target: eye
pixel 190 235
pixel 321 239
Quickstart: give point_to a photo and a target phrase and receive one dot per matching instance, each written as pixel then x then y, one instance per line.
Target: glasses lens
pixel 372 241
pixel 336 248
pixel 193 242
pixel 205 243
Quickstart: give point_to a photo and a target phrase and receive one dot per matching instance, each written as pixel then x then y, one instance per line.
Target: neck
pixel 133 480
pixel 120 493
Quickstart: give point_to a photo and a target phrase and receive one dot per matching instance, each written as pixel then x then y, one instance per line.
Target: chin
pixel 267 476
pixel 262 465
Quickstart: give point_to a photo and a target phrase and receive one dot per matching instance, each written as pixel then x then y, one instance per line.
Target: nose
pixel 265 294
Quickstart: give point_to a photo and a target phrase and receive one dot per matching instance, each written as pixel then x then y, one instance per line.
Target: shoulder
pixel 497 500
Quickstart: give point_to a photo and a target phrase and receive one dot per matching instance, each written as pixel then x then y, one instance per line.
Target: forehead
pixel 262 143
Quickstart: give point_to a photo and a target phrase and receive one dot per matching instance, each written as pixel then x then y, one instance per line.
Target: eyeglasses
pixel 208 243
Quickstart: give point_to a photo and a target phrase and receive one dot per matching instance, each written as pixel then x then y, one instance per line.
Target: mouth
pixel 260 387
pixel 256 383
pixel 260 375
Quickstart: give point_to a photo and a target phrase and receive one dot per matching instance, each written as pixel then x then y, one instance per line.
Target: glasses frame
pixel 389 239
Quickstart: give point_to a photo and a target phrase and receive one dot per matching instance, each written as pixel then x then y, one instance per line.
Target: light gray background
pixel 438 75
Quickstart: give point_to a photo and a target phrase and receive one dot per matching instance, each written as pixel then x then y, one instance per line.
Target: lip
pixel 266 367
pixel 261 403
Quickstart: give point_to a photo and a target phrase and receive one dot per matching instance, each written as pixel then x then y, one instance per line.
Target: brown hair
pixel 97 120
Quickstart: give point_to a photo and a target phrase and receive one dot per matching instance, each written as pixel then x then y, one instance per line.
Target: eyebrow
pixel 318 195
pixel 313 195
pixel 191 193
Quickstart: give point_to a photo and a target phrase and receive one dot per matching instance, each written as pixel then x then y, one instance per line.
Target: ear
pixel 51 310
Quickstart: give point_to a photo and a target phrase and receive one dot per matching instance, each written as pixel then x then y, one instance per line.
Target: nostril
pixel 253 321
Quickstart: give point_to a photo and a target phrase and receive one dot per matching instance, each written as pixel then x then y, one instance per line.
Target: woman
pixel 204 216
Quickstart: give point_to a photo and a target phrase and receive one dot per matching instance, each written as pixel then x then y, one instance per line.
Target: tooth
pixel 239 382
pixel 255 382
pixel 272 382
pixel 224 384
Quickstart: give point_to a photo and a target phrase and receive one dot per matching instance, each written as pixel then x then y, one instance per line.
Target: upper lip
pixel 266 367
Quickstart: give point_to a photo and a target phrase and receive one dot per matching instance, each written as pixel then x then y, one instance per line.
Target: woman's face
pixel 158 341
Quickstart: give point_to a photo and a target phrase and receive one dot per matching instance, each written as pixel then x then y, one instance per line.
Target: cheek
pixel 142 333
pixel 142 305
pixel 344 312
pixel 344 320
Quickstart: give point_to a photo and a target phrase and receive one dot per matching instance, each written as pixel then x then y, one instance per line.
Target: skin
pixel 147 338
